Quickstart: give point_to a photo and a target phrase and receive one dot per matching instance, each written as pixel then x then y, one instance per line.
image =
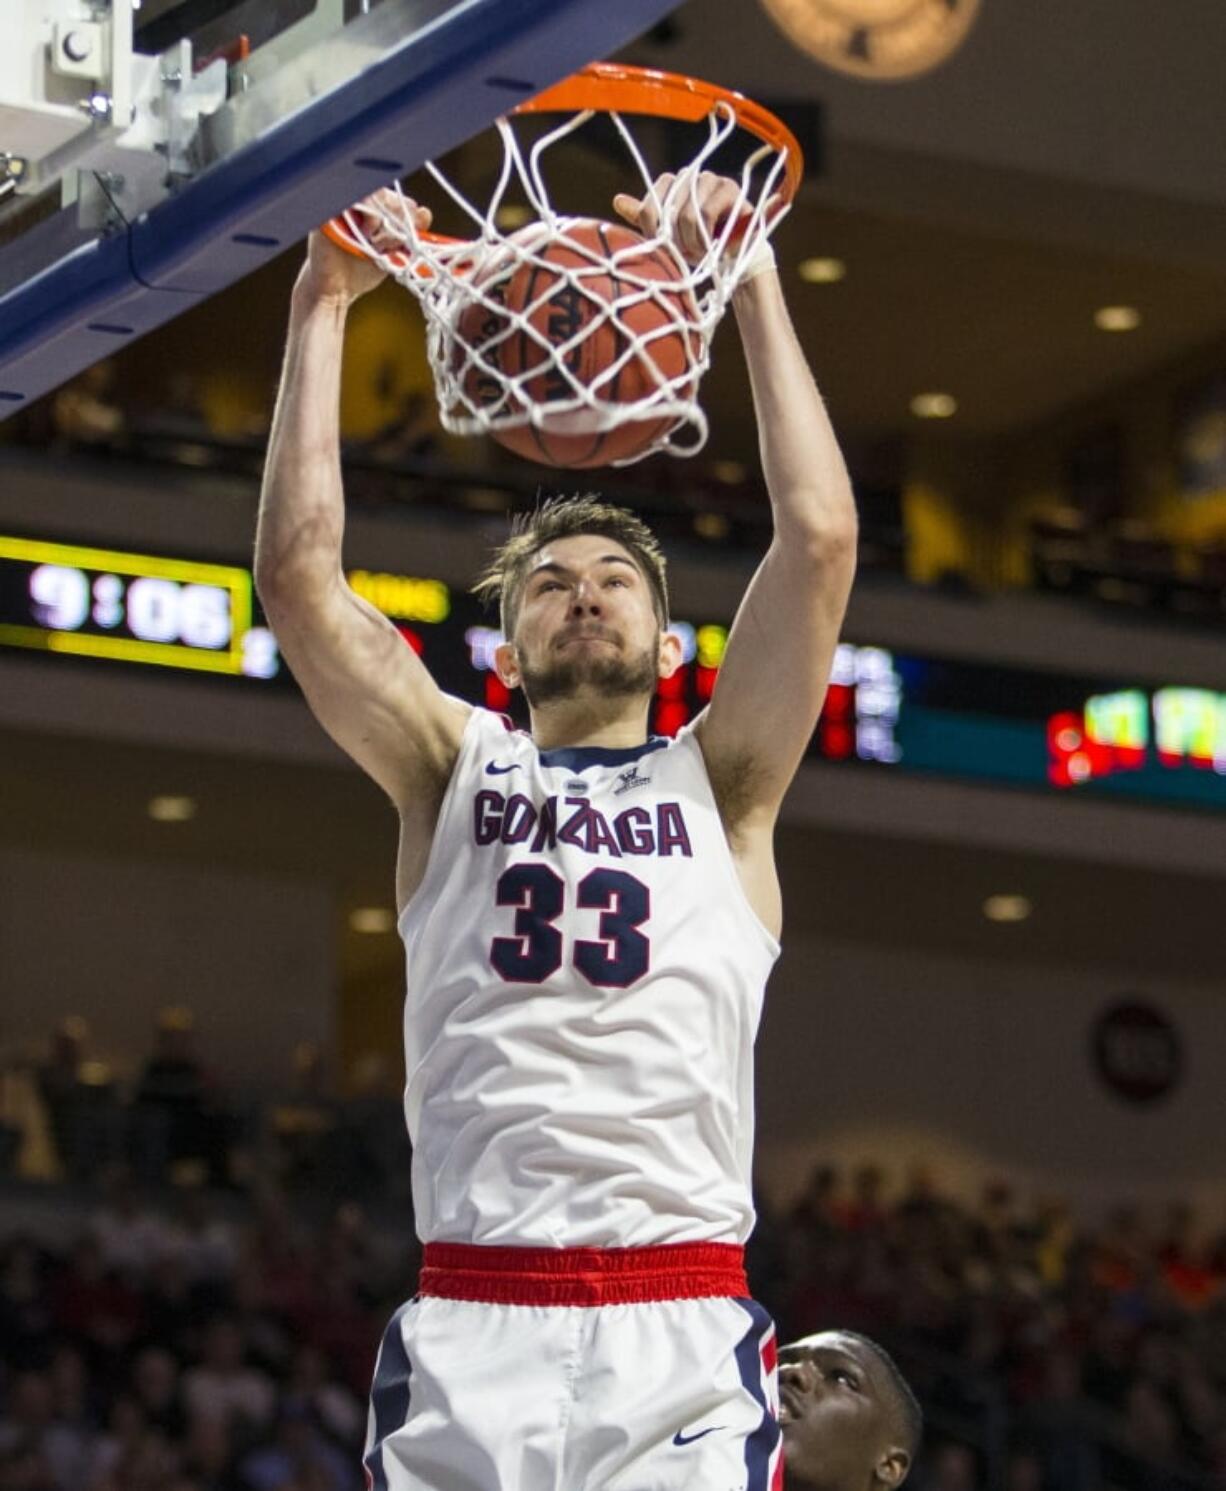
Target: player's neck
pixel 614 724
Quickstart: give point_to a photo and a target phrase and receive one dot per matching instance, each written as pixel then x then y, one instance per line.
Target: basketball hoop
pixel 659 309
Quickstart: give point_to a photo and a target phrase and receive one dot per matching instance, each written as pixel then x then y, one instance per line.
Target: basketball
pixel 654 331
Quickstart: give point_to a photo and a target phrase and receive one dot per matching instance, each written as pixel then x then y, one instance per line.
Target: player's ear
pixel 670 654
pixel 506 664
pixel 891 1470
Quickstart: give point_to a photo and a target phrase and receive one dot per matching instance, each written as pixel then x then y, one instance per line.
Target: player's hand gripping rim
pixel 332 273
pixel 699 209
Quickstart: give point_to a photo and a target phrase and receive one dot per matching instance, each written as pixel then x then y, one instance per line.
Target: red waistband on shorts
pixel 583 1276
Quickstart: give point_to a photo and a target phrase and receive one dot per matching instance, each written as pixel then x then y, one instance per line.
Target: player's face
pixel 586 622
pixel 832 1409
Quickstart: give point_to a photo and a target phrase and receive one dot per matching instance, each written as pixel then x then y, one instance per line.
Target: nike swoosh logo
pixel 493 770
pixel 681 1439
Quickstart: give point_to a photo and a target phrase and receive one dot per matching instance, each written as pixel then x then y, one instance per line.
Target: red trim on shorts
pixel 583 1276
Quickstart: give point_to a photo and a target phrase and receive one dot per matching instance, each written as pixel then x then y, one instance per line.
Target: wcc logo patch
pixel 627 781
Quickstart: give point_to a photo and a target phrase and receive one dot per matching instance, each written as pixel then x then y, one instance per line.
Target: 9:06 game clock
pixel 139 608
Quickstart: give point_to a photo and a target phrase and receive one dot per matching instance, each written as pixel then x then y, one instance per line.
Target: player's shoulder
pixel 490 735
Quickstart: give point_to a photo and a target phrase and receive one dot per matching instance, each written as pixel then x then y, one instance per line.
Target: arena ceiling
pixel 1067 158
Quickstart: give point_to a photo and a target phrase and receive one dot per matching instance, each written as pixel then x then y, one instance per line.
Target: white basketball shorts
pixel 586 1369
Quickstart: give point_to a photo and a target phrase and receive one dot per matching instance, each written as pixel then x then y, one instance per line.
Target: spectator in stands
pixel 27 1148
pixel 1054 1235
pixel 1108 1370
pixel 26 1317
pixel 1186 1260
pixel 174 1309
pixel 131 1237
pixel 72 1400
pixel 1024 1472
pixel 96 1307
pixel 1059 1422
pixel 303 1128
pixel 65 1096
pixel 820 1209
pixel 373 1114
pixel 922 1201
pixel 340 1323
pixel 277 1255
pixel 411 430
pixel 209 1455
pixel 953 1468
pixel 156 1395
pixel 24 1467
pixel 130 1454
pixel 299 1456
pixel 202 1240
pixel 87 411
pixel 29 1426
pixel 338 1411
pixel 865 1212
pixel 171 1119
pixel 1151 1431
pixel 223 1386
pixel 1200 1408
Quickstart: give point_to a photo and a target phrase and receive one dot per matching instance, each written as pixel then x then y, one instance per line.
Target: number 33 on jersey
pixel 580 955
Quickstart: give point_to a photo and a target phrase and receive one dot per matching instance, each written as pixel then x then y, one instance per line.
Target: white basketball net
pixel 475 394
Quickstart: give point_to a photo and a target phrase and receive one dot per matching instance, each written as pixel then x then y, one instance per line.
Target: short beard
pixel 606 677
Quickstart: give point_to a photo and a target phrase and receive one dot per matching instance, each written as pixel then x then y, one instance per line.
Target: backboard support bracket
pixel 396 87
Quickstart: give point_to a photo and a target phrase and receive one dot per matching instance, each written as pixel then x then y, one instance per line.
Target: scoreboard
pixel 138 608
pixel 1046 731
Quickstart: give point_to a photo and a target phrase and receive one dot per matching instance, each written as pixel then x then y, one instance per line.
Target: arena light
pixel 1117 318
pixel 513 215
pixel 713 526
pixel 872 40
pixel 1007 907
pixel 731 473
pixel 934 406
pixel 171 808
pixel 372 921
pixel 822 270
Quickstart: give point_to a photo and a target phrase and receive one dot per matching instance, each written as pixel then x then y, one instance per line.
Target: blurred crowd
pixel 202 1309
pixel 190 1351
pixel 1084 1356
pixel 201 1312
pixel 69 1115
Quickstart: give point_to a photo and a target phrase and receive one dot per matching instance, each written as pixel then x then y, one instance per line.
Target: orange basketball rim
pixel 614 88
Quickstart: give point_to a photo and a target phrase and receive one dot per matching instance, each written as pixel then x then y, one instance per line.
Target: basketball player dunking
pixel 590 916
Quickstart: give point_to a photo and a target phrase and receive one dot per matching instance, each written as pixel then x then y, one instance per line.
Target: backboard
pixel 151 154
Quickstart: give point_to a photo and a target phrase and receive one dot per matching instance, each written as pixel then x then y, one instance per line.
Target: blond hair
pixel 568 517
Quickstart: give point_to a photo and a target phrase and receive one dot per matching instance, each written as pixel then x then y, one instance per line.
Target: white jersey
pixel 585 981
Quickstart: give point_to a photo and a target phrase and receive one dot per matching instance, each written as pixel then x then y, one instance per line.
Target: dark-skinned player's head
pixel 850 1421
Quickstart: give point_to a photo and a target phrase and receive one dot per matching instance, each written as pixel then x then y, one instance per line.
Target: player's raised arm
pixel 367 688
pixel 776 667
pixel 777 664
